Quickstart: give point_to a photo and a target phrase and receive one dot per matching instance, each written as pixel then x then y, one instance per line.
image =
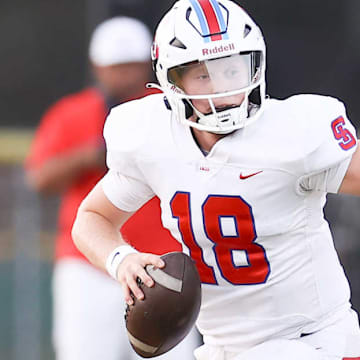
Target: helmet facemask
pixel 217 90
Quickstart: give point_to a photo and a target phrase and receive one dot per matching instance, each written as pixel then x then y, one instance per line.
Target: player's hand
pixel 133 267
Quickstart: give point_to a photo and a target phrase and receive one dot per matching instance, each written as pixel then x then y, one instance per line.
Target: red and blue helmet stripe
pixel 211 18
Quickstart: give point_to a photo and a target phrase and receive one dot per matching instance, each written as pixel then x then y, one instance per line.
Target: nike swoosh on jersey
pixel 243 177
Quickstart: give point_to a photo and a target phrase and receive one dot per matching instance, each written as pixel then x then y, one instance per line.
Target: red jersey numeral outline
pixel 180 207
pixel 214 208
pixel 341 133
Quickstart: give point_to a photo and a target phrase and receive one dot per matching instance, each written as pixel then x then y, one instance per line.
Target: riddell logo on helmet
pixel 218 49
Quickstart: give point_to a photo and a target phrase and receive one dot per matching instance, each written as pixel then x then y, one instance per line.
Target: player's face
pixel 215 77
pixel 123 81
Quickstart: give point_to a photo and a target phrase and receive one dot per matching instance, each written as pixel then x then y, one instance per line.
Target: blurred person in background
pixel 67 157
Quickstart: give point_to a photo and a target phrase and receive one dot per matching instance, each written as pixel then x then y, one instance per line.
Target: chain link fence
pixel 27 227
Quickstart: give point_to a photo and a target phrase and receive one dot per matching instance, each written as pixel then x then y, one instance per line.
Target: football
pixel 169 309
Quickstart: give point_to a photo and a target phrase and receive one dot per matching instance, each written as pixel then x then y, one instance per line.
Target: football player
pixel 242 180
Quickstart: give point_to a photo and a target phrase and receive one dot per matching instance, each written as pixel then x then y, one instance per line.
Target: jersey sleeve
pixel 124 184
pixel 331 144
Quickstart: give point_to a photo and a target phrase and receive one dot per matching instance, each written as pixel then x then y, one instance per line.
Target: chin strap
pixel 216 117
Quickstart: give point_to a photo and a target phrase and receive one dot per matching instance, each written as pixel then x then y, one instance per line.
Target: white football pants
pixel 88 317
pixel 338 341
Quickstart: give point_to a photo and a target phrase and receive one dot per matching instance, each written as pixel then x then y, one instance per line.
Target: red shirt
pixel 74 121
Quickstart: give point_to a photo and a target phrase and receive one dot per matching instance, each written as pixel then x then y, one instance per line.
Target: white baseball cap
pixel 120 40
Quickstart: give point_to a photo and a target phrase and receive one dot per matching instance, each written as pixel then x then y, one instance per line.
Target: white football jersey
pixel 250 213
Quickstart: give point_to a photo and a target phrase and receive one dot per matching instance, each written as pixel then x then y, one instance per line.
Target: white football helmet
pixel 216 45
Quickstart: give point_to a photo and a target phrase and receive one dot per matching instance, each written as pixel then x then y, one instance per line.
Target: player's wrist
pixel 116 257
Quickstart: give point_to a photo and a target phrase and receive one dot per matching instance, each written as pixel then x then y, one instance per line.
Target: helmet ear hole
pixel 255 96
pixel 189 111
